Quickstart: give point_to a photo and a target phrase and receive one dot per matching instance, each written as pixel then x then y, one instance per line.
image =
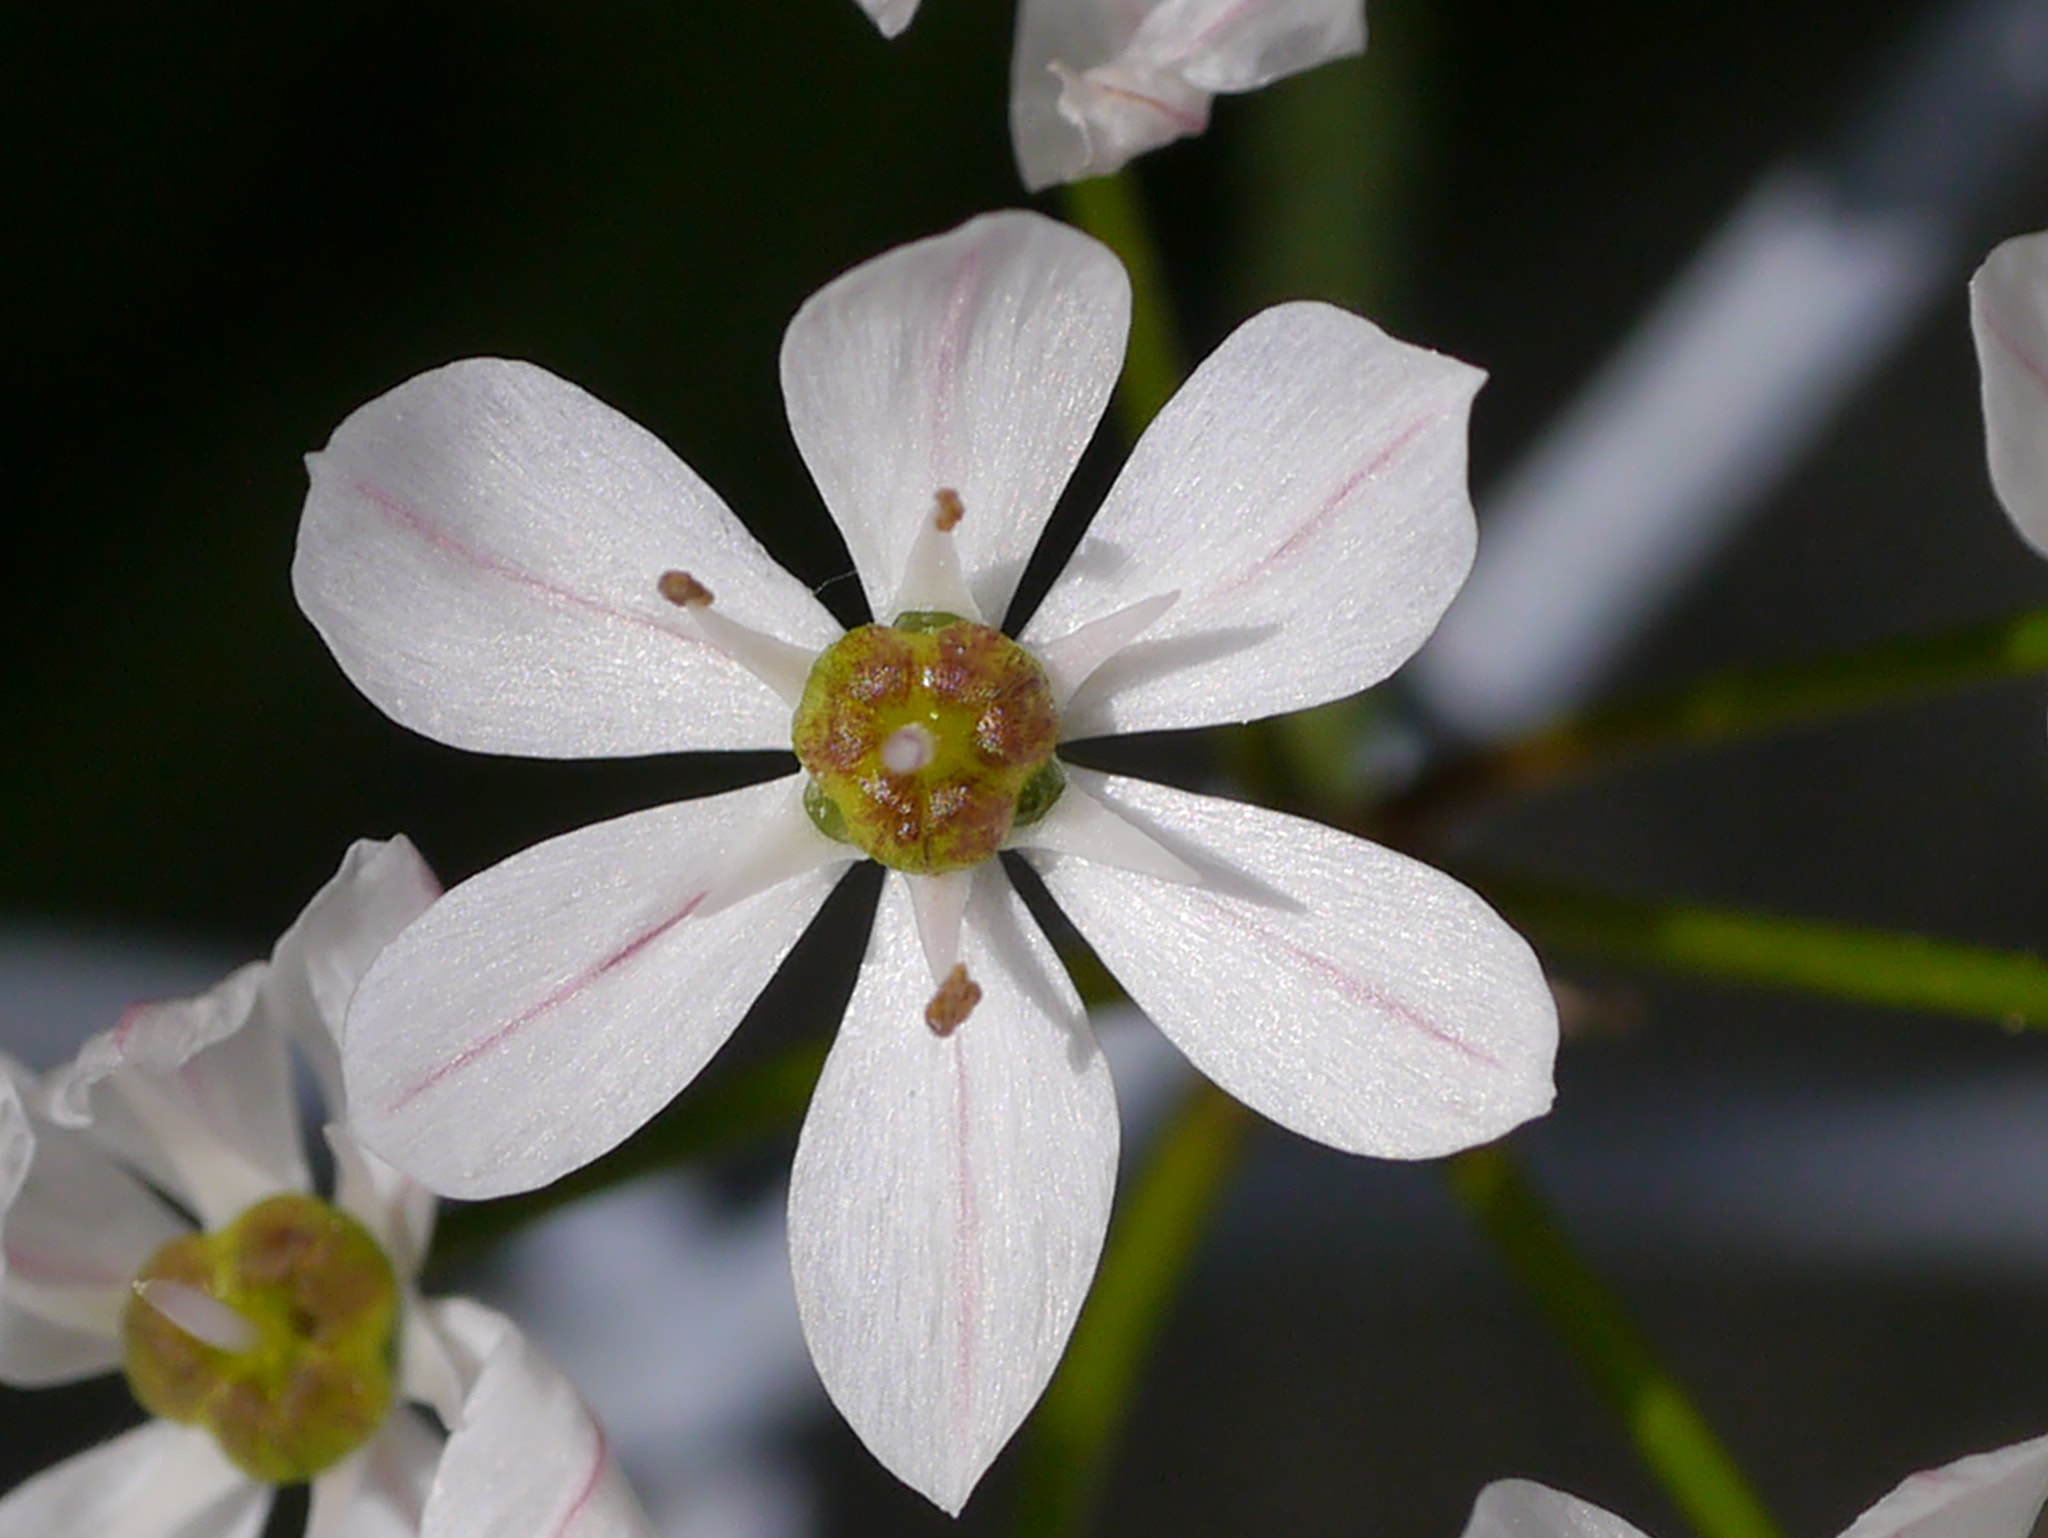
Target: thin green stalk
pixel 1158 1224
pixel 1872 966
pixel 1748 702
pixel 1112 209
pixel 729 1111
pixel 1669 1432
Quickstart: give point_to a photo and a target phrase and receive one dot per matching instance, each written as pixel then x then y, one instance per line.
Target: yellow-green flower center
pixel 928 741
pixel 295 1309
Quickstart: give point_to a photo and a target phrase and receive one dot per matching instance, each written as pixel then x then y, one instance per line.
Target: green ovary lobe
pixel 314 1380
pixel 928 741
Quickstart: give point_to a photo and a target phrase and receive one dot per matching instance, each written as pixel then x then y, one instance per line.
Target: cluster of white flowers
pixel 506 564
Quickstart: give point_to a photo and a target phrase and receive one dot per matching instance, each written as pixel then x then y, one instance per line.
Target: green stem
pixel 732 1109
pixel 1112 209
pixel 1872 966
pixel 1746 702
pixel 1158 1224
pixel 1670 1434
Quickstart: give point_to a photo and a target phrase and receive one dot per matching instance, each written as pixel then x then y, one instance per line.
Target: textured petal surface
pixel 1988 1495
pixel 1357 996
pixel 480 549
pixel 527 1459
pixel 74 1230
pixel 381 1491
pixel 2009 318
pixel 1521 1508
pixel 978 361
pixel 950 1194
pixel 157 1481
pixel 1060 44
pixel 195 1093
pixel 543 1010
pixel 380 888
pixel 1304 493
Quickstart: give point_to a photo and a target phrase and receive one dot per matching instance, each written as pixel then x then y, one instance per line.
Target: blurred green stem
pixel 1112 209
pixel 1872 966
pixel 1158 1224
pixel 1744 703
pixel 1678 1445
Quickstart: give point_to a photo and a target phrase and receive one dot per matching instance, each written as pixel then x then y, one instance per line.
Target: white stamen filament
pixel 1074 656
pixel 780 665
pixel 908 749
pixel 932 578
pixel 200 1315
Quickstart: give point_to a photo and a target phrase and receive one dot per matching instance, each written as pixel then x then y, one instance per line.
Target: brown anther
pixel 954 1001
pixel 684 590
pixel 948 510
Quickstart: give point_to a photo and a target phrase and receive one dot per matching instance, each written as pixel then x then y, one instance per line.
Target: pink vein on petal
pixel 1202 39
pixel 597 1468
pixel 1350 987
pixel 1187 122
pixel 46 1270
pixel 966 1252
pixel 946 363
pixel 560 996
pixel 2013 350
pixel 442 540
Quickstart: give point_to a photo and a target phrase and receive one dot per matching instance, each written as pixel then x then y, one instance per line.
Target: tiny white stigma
pixel 200 1315
pixel 908 749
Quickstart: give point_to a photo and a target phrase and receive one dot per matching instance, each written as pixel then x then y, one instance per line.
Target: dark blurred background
pixel 232 223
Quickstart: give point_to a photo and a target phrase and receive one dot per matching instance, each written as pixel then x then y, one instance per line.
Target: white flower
pixel 2009 319
pixel 1095 82
pixel 486 549
pixel 1987 1495
pixel 194 1100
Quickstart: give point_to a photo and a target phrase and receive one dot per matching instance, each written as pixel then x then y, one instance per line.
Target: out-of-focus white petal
pixel 2009 319
pixel 541 1011
pixel 1094 83
pixel 950 1194
pixel 1240 45
pixel 1988 1495
pixel 397 1210
pixel 195 1094
pixel 1357 996
pixel 481 547
pixel 1521 1508
pixel 977 362
pixel 527 1459
pixel 1305 494
pixel 74 1230
pixel 157 1481
pixel 381 1491
pixel 382 886
pixel 892 16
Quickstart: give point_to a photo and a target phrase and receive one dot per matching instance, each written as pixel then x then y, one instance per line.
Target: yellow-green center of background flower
pixel 310 1380
pixel 928 741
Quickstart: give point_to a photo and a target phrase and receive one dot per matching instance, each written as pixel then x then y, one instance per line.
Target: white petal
pixel 1988 1495
pixel 2009 319
pixel 1352 994
pixel 978 362
pixel 481 547
pixel 541 1011
pixel 527 1457
pixel 74 1230
pixel 950 1194
pixel 157 1481
pixel 380 888
pixel 381 1491
pixel 197 1094
pixel 892 16
pixel 1093 84
pixel 1305 493
pixel 1240 45
pixel 1521 1508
